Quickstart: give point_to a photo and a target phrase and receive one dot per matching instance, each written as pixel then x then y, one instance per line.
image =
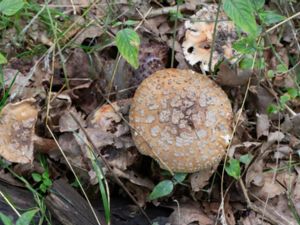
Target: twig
pixel 282 22
pixel 174 36
pixel 214 38
pixel 269 217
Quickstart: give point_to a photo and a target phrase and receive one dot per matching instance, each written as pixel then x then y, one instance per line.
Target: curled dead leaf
pixel 17 123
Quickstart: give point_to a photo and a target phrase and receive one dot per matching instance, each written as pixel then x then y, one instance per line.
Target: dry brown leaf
pixel 78 68
pixel 187 213
pixel 122 159
pixel 296 195
pixel 60 103
pixel 134 178
pixel 17 123
pixel 262 125
pixel 108 115
pixel 90 32
pixel 68 124
pixel 19 84
pixel 270 188
pixel 200 179
pixel 232 77
pixel 254 173
pixel 253 219
pixel 261 98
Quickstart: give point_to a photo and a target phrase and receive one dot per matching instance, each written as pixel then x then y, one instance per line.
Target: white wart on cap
pixel 199 36
pixel 182 119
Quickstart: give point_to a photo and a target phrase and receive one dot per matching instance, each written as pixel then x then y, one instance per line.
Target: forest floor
pixel 68 72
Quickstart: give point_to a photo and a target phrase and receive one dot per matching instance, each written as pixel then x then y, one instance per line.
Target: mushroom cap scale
pixel 182 119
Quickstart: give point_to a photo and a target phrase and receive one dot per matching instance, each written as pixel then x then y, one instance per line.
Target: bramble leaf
pixel 128 43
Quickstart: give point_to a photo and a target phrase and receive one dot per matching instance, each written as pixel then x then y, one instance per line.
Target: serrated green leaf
pixel 246 159
pixel 270 17
pixel 245 45
pixel 36 177
pixel 47 182
pixel 5 219
pixel 3 60
pixel 233 168
pixel 163 188
pixel 242 14
pixel 179 177
pixel 26 217
pixel 257 4
pixel 128 43
pixel 11 7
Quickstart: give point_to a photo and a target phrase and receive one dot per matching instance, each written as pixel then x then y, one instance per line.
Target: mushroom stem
pixel 44 145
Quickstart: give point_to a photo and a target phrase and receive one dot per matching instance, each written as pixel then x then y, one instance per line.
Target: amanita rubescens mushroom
pixel 17 135
pixel 182 119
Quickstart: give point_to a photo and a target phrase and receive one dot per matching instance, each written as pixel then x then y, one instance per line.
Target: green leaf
pixel 128 43
pixel 45 175
pixel 270 74
pixel 245 45
pixel 293 92
pixel 257 4
pixel 47 182
pixel 246 159
pixel 36 177
pixel 242 14
pixel 270 17
pixel 179 177
pixel 43 188
pixel 3 60
pixel 163 188
pixel 247 63
pixel 26 217
pixel 11 7
pixel 233 168
pixel 272 109
pixel 174 15
pixel 5 219
pixel 284 99
pixel 281 68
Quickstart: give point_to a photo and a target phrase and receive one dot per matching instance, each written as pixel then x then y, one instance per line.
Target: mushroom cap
pixel 199 38
pixel 182 119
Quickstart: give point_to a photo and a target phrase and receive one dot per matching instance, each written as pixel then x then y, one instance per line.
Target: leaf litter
pixel 87 79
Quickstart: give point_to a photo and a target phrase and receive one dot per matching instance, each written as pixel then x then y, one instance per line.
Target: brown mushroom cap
pixel 182 119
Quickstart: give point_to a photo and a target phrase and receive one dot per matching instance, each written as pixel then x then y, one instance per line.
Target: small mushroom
pixel 182 119
pixel 17 135
pixel 199 38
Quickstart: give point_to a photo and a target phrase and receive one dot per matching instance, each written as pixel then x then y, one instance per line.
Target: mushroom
pixel 199 38
pixel 17 135
pixel 182 119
